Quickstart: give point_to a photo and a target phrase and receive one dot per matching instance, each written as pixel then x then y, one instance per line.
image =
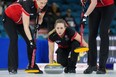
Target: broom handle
pixel 82 25
pixel 35 39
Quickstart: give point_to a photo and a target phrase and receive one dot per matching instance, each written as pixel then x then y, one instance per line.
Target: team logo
pixel 66 38
pixel 58 41
pixel 32 7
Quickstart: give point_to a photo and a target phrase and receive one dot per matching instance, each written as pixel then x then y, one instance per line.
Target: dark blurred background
pixel 69 10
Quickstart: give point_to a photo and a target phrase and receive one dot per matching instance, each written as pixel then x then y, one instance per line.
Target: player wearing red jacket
pixel 16 20
pixel 100 14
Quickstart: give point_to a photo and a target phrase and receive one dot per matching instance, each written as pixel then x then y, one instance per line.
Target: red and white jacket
pixel 102 3
pixel 14 11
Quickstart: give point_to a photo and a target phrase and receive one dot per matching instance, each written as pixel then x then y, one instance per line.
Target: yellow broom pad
pixel 32 71
pixel 81 49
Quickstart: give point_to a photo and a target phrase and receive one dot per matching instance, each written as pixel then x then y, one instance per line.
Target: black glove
pixel 37 27
pixel 32 44
pixel 84 20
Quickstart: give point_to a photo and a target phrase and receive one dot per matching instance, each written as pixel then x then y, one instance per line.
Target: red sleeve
pixel 74 36
pixel 50 40
pixel 25 12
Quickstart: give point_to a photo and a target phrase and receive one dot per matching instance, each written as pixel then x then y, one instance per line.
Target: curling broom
pixel 34 52
pixel 82 49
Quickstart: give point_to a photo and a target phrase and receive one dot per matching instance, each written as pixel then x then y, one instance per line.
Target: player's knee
pixel 63 63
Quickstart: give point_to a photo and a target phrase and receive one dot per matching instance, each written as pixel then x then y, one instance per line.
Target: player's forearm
pixel 28 33
pixel 51 52
pixel 84 43
pixel 91 7
pixel 80 39
pixel 26 20
pixel 50 57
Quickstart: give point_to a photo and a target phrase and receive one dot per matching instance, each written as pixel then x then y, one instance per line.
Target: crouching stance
pixel 68 40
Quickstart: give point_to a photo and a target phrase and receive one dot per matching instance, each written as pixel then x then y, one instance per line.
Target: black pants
pixel 63 53
pixel 100 20
pixel 12 30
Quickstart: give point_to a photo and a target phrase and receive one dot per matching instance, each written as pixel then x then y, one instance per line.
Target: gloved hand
pixel 36 27
pixel 32 44
pixel 84 20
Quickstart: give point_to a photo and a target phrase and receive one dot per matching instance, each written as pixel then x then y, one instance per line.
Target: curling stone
pixel 54 68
